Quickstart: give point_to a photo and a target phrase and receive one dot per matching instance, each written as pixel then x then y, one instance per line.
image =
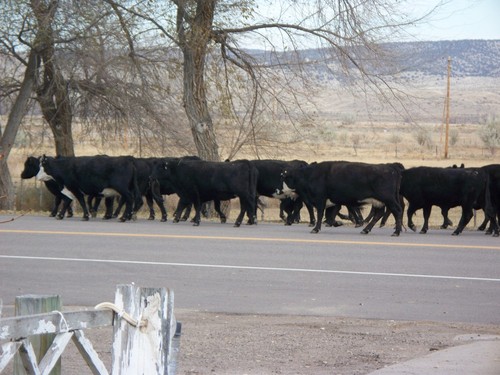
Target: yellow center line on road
pixel 261 239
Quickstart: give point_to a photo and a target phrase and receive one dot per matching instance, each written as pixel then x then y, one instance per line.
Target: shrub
pixel 490 134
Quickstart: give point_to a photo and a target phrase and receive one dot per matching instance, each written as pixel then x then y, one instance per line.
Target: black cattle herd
pixel 323 188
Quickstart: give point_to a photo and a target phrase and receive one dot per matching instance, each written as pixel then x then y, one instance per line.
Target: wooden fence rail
pixel 146 336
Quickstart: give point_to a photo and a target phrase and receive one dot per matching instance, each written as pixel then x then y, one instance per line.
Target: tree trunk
pixel 16 114
pixel 52 93
pixel 194 41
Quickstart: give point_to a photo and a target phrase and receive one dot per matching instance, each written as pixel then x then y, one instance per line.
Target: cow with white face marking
pixel 31 169
pixel 101 175
pixel 347 183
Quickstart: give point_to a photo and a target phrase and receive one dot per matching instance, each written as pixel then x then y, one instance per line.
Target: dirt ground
pixel 236 344
pixel 256 344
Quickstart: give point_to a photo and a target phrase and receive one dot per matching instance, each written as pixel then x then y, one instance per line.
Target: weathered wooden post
pixel 37 304
pixel 143 344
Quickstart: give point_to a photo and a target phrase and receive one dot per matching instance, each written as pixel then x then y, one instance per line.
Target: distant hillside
pixel 470 58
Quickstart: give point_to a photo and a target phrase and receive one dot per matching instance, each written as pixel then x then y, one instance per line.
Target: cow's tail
pixel 253 176
pixel 134 187
pixel 489 208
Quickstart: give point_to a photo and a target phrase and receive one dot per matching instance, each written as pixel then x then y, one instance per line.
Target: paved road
pixel 268 268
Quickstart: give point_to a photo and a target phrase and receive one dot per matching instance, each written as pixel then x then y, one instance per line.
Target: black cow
pixel 493 171
pixel 160 184
pixel 198 181
pixel 144 168
pixel 347 183
pixel 31 169
pixel 269 185
pixel 446 188
pixel 95 176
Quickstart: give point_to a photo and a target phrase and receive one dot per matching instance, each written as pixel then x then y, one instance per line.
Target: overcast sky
pixel 452 20
pixel 461 19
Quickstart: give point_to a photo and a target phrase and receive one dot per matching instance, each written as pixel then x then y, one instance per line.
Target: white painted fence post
pixel 145 349
pixel 36 304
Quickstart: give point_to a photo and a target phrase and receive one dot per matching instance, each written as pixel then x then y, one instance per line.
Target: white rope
pixel 122 314
pixel 61 321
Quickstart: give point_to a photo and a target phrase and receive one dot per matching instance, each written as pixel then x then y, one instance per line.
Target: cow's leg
pixel 467 214
pixel 81 199
pixel 161 205
pixel 108 203
pixel 385 217
pixel 128 197
pixel 427 213
pixel 282 212
pixel 320 208
pixel 355 216
pixel 93 203
pixel 196 220
pixel 310 210
pixel 294 216
pixel 217 208
pixel 330 215
pixel 55 207
pixel 239 219
pixel 251 208
pixel 493 227
pixel 378 212
pixel 484 223
pixel 409 214
pixel 187 212
pixel 178 210
pixel 109 214
pixel 397 210
pixel 66 207
pixel 149 202
pixel 446 221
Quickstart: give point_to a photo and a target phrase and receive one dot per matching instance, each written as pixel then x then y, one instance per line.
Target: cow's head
pixel 289 185
pixel 42 175
pixel 31 167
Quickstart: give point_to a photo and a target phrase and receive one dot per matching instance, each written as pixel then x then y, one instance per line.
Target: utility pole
pixel 447 110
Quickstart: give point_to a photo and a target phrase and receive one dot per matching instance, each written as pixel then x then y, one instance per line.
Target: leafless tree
pixel 207 31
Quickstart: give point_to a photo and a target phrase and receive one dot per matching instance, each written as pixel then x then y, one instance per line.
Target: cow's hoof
pixel 314 231
pixel 311 225
pixel 455 233
pixel 177 220
pixel 59 217
pixel 236 225
pixel 151 218
pixel 85 218
pixel 496 234
pixel 223 220
pixel 413 227
pixel 364 231
pixel 52 215
pixel 395 234
pixel 196 224
pixel 423 231
pixel 163 219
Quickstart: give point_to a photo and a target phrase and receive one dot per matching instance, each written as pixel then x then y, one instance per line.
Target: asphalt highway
pixel 267 268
